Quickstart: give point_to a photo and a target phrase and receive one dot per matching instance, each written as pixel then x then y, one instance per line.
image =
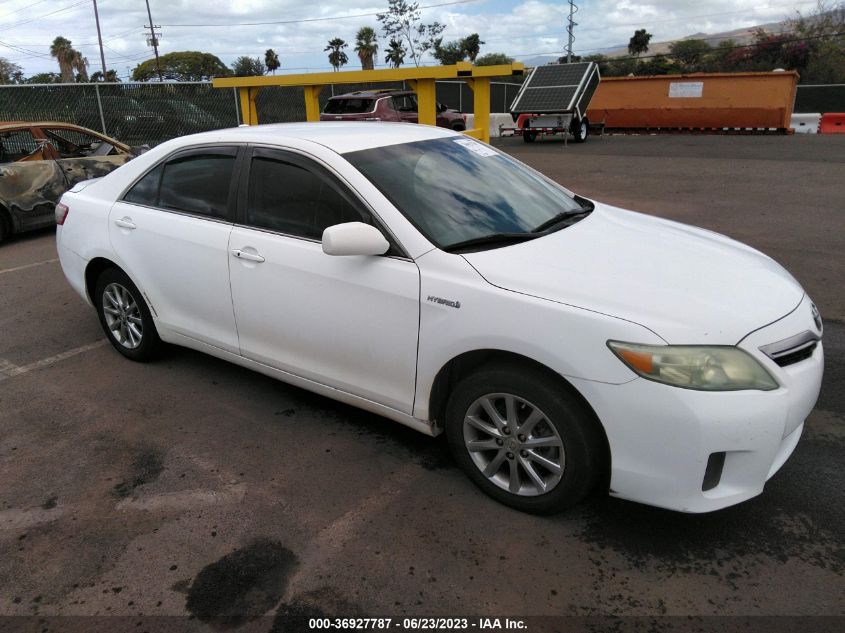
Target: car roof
pixel 372 94
pixel 11 126
pixel 339 136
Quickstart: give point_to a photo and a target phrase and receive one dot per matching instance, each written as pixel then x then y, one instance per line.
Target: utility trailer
pixel 554 100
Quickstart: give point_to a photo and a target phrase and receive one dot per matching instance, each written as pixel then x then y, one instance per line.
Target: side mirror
pixel 354 238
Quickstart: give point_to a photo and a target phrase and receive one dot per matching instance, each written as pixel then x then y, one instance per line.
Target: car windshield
pixel 349 106
pixel 456 190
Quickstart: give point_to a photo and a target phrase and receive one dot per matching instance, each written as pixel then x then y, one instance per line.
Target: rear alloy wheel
pixel 523 439
pixel 580 129
pixel 124 315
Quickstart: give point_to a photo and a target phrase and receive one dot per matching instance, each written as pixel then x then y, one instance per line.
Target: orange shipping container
pixel 701 100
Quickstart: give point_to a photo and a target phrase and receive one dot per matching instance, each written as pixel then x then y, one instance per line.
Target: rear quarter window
pixel 349 106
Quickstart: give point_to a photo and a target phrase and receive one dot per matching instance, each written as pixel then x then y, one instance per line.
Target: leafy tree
pixel 337 57
pixel 10 73
pixel 823 31
pixel 450 52
pixel 44 78
pixel 183 66
pixel 111 75
pixel 472 46
pixel 366 46
pixel 638 44
pixel 62 49
pixel 402 22
pixel 689 54
pixel 245 66
pixel 657 65
pixel 395 54
pixel 271 61
pixel 565 59
pixel 493 59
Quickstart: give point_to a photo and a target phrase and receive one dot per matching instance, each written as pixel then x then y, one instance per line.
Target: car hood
pixel 688 285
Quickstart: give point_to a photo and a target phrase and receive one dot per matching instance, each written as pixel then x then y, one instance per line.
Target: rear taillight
pixel 61 213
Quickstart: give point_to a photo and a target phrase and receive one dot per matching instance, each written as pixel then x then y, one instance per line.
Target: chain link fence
pixel 151 113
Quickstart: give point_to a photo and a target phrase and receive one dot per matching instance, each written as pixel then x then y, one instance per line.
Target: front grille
pixel 793 349
pixel 796 356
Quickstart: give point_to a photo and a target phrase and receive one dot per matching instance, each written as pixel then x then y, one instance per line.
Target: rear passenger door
pixel 171 231
pixel 347 322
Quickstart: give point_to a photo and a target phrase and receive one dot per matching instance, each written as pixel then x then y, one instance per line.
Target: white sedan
pixel 414 272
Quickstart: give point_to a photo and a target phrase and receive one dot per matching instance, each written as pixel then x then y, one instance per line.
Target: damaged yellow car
pixel 40 161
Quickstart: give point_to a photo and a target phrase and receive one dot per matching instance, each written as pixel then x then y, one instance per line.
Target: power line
pixel 25 7
pixel 301 21
pixel 45 15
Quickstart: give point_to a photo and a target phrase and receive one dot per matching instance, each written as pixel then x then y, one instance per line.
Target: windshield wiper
pixel 502 239
pixel 565 218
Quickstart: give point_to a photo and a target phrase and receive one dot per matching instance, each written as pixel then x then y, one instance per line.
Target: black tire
pixel 581 453
pixel 528 137
pixel 580 129
pixel 148 344
pixel 458 127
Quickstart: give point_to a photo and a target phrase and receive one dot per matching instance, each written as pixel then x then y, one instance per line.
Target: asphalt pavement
pixel 190 486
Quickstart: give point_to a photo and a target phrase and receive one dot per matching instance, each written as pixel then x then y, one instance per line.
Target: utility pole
pixel 569 29
pixel 152 40
pixel 100 39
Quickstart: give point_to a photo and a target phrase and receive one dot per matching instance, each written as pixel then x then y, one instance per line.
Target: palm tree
pixel 80 65
pixel 337 57
pixel 395 54
pixel 366 46
pixel 271 60
pixel 63 51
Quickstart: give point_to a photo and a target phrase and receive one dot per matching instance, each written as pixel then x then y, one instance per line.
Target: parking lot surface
pixel 190 486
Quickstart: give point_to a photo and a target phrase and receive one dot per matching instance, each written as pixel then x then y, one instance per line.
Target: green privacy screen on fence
pixel 151 113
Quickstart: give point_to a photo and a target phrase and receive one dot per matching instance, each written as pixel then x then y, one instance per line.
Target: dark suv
pixel 386 105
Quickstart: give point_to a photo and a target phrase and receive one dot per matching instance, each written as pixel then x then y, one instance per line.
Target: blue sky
pixel 522 29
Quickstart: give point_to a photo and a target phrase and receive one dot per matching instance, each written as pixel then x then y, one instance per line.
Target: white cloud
pixel 521 29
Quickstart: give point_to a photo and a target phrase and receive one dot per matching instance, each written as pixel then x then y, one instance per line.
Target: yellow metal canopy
pixel 421 80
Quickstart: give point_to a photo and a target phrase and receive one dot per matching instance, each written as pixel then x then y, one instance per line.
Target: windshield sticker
pixel 476 147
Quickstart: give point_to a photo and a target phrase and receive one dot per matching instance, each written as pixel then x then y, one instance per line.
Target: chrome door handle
pixel 126 223
pixel 252 257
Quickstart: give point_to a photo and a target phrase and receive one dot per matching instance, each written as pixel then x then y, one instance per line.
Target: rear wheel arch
pixel 468 363
pixel 95 268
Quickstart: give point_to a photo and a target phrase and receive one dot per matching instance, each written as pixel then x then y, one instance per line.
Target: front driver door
pixel 347 322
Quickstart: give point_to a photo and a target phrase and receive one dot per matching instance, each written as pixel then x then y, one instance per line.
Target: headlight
pixel 722 368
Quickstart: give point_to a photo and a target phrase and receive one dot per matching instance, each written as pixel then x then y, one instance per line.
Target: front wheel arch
pixel 468 363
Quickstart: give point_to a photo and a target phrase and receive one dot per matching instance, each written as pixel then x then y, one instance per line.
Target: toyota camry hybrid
pixel 414 272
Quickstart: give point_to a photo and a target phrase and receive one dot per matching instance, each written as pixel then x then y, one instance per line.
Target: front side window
pixel 456 189
pixel 76 143
pixel 197 183
pixel 290 198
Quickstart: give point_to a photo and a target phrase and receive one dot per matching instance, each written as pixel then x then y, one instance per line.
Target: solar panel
pixel 557 88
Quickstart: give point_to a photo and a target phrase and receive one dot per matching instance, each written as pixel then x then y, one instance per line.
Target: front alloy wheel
pixel 513 444
pixel 524 437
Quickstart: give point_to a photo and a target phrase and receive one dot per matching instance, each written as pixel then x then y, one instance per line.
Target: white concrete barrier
pixel 496 119
pixel 806 123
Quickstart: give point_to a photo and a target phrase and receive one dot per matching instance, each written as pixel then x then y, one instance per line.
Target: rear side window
pixel 291 199
pixel 349 106
pixel 198 183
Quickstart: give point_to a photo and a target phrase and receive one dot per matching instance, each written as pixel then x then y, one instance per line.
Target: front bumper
pixel 662 437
